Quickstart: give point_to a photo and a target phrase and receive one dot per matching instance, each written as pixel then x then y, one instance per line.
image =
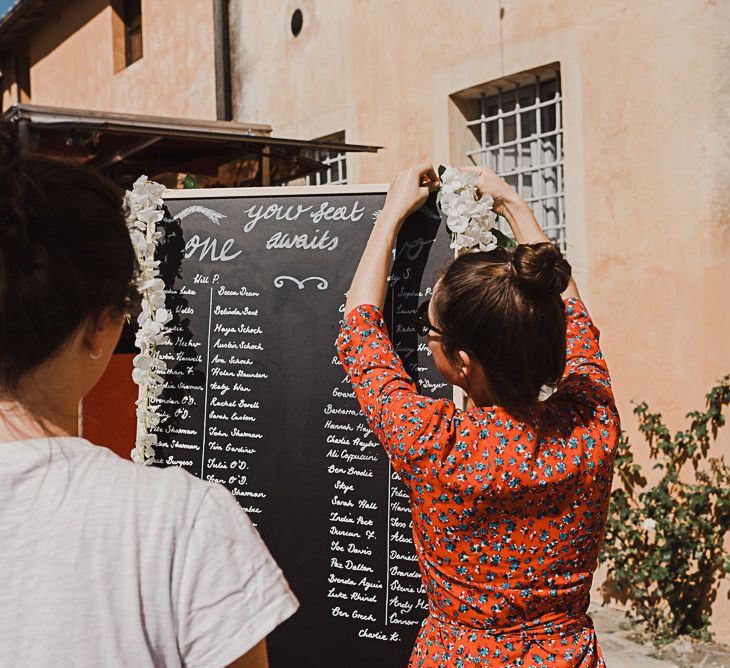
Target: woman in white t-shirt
pixel 104 562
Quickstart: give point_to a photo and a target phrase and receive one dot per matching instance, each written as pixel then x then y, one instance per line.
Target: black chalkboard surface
pixel 257 400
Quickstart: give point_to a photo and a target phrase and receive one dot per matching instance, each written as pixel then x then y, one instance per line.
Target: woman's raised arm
pixel 406 194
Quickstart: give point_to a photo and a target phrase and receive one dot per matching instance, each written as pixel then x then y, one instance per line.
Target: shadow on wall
pixel 63 20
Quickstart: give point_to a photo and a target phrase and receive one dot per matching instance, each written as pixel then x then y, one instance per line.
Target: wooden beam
pixel 24 134
pixel 102 162
pixel 265 167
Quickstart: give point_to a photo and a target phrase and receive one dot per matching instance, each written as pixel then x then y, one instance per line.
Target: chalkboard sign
pixel 257 400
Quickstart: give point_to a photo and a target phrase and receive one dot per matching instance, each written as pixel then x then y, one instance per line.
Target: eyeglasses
pixel 424 324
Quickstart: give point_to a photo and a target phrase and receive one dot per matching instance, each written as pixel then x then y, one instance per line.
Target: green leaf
pixel 190 181
pixel 503 240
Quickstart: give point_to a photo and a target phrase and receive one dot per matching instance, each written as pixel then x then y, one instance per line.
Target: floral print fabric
pixel 508 517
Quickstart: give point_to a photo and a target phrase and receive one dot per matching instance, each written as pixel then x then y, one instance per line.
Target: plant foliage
pixel 665 544
pixel 190 181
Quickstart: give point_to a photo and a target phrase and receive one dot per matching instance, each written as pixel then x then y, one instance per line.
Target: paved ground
pixel 621 649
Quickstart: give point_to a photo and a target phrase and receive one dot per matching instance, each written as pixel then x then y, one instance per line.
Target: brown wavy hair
pixel 504 307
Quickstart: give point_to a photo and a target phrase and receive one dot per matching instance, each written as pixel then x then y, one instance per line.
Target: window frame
pixel 486 104
pixel 132 29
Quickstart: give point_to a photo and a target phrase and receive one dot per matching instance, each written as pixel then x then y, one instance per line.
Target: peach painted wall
pixel 647 147
pixel 72 56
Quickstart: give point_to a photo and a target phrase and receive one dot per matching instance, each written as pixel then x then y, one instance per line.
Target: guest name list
pixel 257 400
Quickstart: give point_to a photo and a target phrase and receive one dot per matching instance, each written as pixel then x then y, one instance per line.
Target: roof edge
pixel 16 12
pixel 40 116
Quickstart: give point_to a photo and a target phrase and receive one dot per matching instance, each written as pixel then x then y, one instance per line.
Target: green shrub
pixel 664 544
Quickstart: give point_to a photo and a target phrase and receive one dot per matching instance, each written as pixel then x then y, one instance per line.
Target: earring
pixel 96 356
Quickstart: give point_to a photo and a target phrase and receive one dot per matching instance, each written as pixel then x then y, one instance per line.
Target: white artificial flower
pixel 482 236
pixel 151 327
pixel 139 241
pixel 457 223
pixel 153 284
pixel 152 421
pixel 141 376
pixel 469 217
pixel 648 524
pixel 142 361
pixel 461 241
pixel 143 454
pixel 452 177
pixel 150 215
pixel 157 299
pixel 155 390
pixel 140 411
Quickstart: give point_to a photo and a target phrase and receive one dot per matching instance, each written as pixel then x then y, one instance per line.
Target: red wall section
pixel 109 411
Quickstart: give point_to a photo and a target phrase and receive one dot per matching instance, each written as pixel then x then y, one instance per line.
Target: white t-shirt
pixel 108 563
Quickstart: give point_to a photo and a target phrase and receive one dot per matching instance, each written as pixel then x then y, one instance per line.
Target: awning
pixel 123 146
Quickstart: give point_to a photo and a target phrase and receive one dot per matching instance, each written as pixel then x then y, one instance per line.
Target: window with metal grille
pixel 518 131
pixel 335 170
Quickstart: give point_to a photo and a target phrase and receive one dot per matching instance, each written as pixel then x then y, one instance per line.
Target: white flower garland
pixel 144 211
pixel 469 218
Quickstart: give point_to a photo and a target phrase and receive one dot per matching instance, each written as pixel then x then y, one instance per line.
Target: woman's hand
pixel 509 205
pixel 519 216
pixel 503 194
pixel 406 194
pixel 409 191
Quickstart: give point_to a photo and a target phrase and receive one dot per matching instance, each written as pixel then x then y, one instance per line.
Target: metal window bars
pixel 336 172
pixel 520 134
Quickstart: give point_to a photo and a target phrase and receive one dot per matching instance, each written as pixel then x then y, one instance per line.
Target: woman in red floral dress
pixel 509 498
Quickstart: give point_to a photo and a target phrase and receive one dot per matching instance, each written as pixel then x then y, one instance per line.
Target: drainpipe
pixel 222 47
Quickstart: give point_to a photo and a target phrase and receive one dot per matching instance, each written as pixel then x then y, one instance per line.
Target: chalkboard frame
pixel 331 189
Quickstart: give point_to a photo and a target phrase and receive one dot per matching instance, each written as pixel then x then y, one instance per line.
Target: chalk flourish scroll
pixel 212 216
pixel 321 285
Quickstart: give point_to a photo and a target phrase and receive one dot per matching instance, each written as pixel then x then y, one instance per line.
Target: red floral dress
pixel 508 517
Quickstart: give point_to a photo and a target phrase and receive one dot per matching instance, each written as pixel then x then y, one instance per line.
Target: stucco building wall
pixel 73 61
pixel 647 147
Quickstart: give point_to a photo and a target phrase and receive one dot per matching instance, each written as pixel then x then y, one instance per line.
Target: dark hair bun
pixel 540 269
